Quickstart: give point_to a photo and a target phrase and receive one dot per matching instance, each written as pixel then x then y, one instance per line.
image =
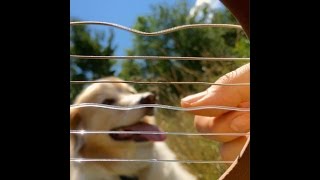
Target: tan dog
pixel 119 146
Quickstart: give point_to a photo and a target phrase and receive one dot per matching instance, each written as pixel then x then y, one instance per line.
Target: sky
pixel 123 12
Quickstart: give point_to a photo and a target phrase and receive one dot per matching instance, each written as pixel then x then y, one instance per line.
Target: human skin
pixel 222 121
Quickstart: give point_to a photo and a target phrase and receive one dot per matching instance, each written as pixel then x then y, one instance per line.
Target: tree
pixel 205 42
pixel 82 42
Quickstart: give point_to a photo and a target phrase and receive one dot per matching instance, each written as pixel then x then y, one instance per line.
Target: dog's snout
pixel 149 99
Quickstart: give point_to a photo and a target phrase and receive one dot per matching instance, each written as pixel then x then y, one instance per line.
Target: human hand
pixel 224 121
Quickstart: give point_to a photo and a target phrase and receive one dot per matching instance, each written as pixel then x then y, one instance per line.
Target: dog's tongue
pixel 140 137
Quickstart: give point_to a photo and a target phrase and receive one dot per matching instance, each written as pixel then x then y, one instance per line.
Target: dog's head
pixel 113 146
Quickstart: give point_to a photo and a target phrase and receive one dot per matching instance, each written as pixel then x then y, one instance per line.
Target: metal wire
pixel 162 32
pixel 83 132
pixel 155 106
pixel 165 31
pixel 159 58
pixel 79 160
pixel 160 82
pixel 140 106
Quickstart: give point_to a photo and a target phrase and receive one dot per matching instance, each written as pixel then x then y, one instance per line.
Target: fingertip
pixel 189 100
pixel 202 99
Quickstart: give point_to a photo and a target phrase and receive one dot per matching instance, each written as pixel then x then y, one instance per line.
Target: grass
pixel 191 147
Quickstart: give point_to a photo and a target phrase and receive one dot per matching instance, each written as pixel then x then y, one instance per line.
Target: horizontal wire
pixel 140 106
pixel 165 31
pixel 82 132
pixel 79 160
pixel 160 82
pixel 160 58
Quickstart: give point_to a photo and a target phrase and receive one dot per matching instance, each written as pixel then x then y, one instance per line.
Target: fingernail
pixel 240 123
pixel 193 98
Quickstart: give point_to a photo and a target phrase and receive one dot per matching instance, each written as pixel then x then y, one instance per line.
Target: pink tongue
pixel 142 137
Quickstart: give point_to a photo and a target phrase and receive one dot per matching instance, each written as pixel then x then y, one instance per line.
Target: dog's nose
pixel 149 99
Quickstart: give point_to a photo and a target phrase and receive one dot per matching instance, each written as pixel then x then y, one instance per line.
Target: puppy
pixel 119 146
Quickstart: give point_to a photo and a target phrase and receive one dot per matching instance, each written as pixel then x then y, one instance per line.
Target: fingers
pixel 222 95
pixel 230 150
pixel 231 122
pixel 224 121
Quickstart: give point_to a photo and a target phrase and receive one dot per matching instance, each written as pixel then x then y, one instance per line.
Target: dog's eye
pixel 108 101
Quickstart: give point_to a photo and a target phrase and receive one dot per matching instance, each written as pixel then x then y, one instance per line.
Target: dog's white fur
pixel 103 146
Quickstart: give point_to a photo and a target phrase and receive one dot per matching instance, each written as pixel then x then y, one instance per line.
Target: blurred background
pixel 150 16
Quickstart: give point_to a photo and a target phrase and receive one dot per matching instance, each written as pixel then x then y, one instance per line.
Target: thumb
pixel 231 96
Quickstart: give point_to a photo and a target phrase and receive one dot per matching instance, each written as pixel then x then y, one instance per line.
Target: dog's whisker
pixel 82 132
pixel 81 105
pixel 79 160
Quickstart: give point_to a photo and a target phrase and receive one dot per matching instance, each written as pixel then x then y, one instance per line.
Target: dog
pixel 119 146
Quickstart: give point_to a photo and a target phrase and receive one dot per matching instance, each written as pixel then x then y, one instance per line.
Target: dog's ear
pixel 76 141
pixel 75 119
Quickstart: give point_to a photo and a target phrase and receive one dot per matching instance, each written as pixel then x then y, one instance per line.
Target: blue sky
pixel 122 12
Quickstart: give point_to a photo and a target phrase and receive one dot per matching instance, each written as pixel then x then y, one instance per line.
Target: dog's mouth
pixel 140 126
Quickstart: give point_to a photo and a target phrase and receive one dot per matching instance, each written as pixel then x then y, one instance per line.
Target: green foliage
pixel 191 147
pixel 83 43
pixel 204 42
